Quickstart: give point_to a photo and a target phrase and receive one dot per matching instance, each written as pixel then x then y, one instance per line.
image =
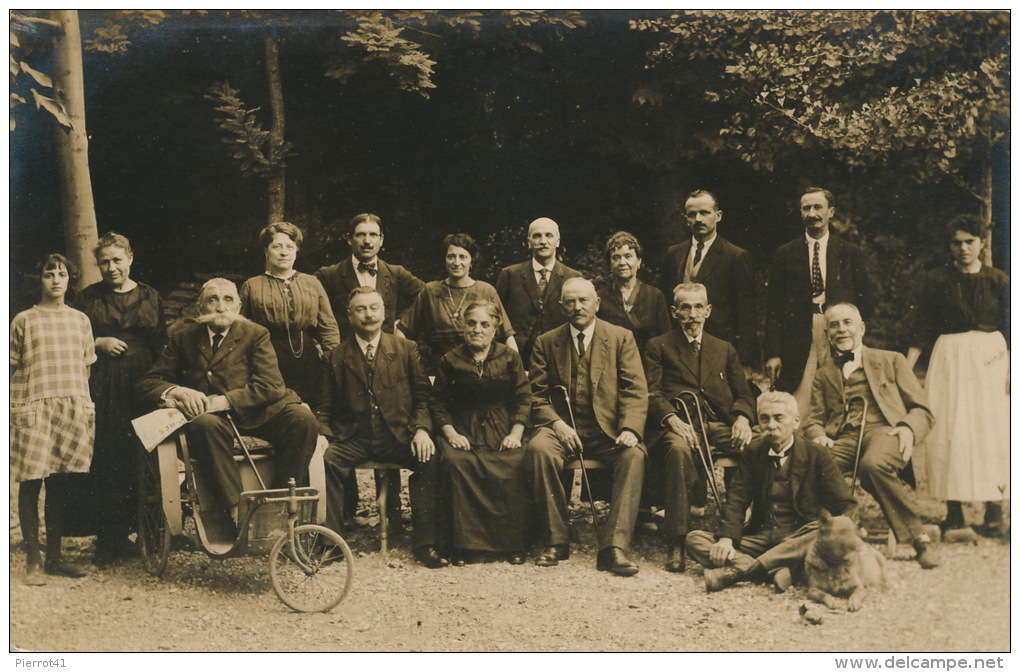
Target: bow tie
pixel 842 358
pixel 367 268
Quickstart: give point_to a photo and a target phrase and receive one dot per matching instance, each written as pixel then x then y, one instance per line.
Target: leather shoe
pixel 613 560
pixel 64 568
pixel 927 554
pixel 516 557
pixel 676 562
pixel 430 557
pixel 723 577
pixel 552 555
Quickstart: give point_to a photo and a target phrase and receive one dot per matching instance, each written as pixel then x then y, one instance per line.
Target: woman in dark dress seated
pixel 481 403
pixel 129 328
pixel 626 301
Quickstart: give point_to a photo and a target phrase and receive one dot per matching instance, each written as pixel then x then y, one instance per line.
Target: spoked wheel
pixel 314 573
pixel 153 530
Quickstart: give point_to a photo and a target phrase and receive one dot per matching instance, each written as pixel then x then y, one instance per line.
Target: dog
pixel 839 563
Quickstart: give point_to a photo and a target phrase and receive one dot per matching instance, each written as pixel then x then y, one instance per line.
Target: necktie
pixel 580 345
pixel 216 340
pixel 370 353
pixel 543 282
pixel 697 254
pixel 842 358
pixel 817 284
pixel 777 462
pixel 696 345
pixel 367 268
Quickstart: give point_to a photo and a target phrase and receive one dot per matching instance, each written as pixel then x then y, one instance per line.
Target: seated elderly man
pixel 691 362
pixel 897 418
pixel 223 362
pixel 787 481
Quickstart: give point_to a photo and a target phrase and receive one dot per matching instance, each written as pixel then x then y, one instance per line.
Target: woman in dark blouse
pixel 626 301
pixel 436 318
pixel 129 328
pixel 481 403
pixel 294 308
pixel 963 308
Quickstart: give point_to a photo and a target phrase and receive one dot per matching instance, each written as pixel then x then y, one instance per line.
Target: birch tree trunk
pixel 81 233
pixel 277 187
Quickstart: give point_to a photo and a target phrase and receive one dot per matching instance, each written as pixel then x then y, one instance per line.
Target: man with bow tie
pixel 689 360
pixel 376 408
pixel 223 362
pixel 787 481
pixel 897 419
pixel 530 291
pixel 397 286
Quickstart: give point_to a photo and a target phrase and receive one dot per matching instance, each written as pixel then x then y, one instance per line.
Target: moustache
pixel 223 319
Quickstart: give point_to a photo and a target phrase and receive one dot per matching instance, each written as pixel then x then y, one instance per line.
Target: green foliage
pixel 378 39
pixel 924 90
pixel 250 146
pixel 24 26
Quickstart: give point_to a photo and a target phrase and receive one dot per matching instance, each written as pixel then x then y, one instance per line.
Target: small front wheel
pixel 314 571
pixel 153 528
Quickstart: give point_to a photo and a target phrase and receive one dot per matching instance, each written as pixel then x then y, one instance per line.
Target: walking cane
pixel 705 451
pixel 580 458
pixel 860 437
pixel 244 447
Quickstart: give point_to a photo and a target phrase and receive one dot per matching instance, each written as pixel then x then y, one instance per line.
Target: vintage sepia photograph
pixel 504 331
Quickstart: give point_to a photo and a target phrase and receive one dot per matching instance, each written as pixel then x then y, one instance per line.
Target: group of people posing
pixel 486 392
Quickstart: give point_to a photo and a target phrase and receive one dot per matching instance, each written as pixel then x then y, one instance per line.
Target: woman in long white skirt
pixel 964 309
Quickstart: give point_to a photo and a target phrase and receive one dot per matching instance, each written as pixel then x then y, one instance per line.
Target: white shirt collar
pixel 589 333
pixel 707 244
pixel 854 363
pixel 689 339
pixel 363 344
pixel 537 267
pixel 783 453
pixel 213 333
pixel 824 240
pixel 356 261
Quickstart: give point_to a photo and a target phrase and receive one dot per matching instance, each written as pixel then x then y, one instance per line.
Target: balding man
pixel 530 290
pixel 896 418
pixel 596 365
pixel 223 362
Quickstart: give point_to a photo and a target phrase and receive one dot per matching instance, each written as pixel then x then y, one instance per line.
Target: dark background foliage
pixel 573 124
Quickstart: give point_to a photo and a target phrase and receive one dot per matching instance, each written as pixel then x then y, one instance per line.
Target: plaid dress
pixel 52 414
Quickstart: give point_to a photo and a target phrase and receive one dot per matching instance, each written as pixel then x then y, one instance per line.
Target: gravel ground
pixel 396 605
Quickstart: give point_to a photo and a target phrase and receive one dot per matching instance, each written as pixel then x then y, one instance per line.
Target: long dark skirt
pixel 487 495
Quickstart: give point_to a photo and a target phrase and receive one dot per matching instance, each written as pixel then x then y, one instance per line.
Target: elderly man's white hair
pixel 544 220
pixel 851 306
pixel 777 397
pixel 221 284
pixel 570 282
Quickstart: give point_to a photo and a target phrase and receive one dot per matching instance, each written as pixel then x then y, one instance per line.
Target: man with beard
pixel 599 366
pixel 397 286
pixel 690 360
pixel 897 419
pixel 786 480
pixel 377 408
pixel 726 272
pixel 807 274
pixel 223 362
pixel 529 290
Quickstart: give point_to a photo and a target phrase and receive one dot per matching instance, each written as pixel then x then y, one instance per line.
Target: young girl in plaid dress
pixel 52 415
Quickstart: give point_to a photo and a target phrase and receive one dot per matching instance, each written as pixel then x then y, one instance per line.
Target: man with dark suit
pixel 223 362
pixel 377 409
pixel 530 290
pixel 726 272
pixel 689 360
pixel 807 274
pixel 787 481
pixel 599 365
pixel 397 286
pixel 897 419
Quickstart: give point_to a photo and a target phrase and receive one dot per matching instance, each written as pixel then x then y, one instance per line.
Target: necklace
pixel 455 312
pixel 288 299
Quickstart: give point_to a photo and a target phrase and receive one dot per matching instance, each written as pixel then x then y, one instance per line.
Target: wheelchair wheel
pixel 314 573
pixel 153 529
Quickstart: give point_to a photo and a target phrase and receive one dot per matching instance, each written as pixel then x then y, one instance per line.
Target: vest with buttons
pixel 780 498
pixel 581 394
pixel 857 386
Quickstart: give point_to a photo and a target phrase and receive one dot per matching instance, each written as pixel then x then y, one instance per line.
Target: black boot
pixel 55 512
pixel 954 517
pixel 992 527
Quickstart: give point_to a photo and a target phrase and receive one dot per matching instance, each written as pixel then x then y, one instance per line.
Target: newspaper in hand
pixel 152 428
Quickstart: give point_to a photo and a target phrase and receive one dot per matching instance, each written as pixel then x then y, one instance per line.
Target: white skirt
pixel 968 449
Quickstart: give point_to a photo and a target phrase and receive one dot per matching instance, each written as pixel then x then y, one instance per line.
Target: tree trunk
pixel 277 187
pixel 81 234
pixel 986 191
